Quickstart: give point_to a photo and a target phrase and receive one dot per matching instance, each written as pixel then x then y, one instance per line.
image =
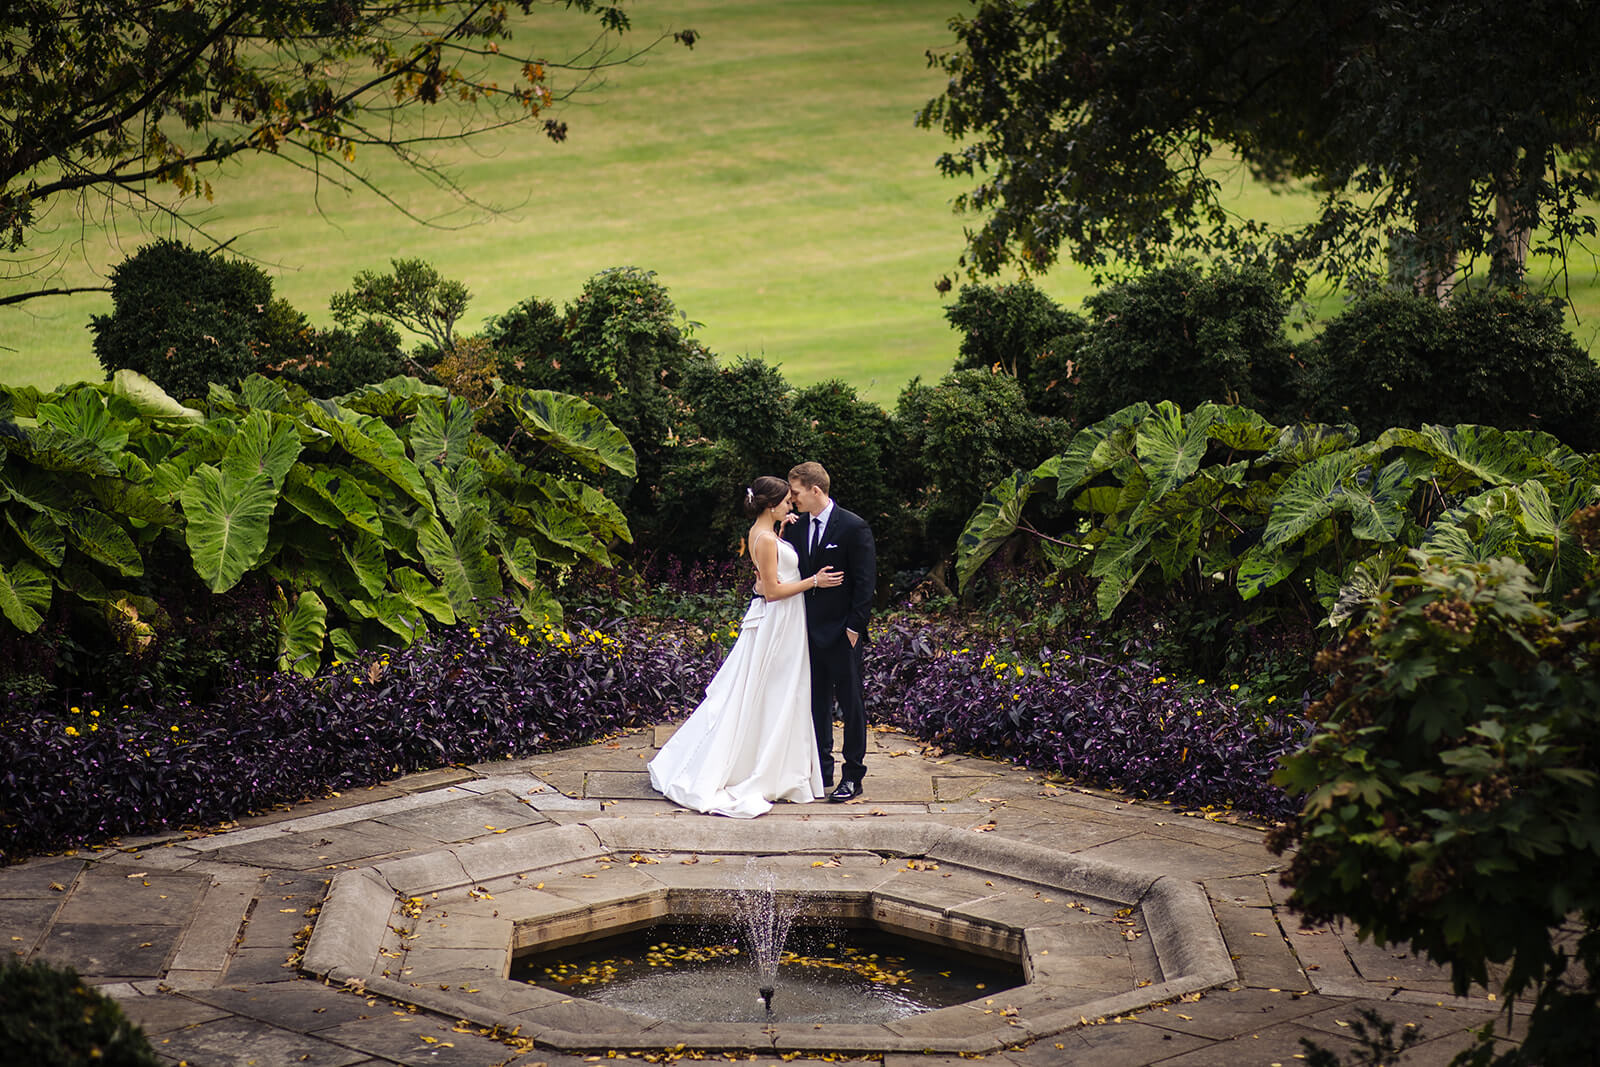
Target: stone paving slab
pixel 462 820
pixel 244 1000
pixel 110 950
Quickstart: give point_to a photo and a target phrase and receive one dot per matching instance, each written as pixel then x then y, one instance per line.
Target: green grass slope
pixel 772 178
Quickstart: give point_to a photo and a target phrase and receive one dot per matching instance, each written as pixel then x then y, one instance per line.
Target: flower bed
pixel 503 691
pixel 1116 724
pixel 499 691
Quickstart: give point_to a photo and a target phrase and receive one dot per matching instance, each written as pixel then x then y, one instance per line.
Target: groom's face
pixel 808 499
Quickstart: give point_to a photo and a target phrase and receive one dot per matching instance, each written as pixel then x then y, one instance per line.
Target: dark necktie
pixel 816 534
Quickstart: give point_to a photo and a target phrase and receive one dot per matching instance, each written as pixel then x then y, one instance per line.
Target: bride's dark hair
pixel 763 493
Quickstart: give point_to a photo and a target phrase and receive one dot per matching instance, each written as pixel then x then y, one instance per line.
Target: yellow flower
pixel 1200 681
pixel 74 711
pixel 93 727
pixel 1159 679
pixel 72 731
pixel 1271 699
pixel 174 729
pixel 1233 687
pixel 95 713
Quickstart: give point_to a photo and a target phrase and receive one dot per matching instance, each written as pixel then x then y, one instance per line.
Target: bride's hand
pixel 787 519
pixel 827 578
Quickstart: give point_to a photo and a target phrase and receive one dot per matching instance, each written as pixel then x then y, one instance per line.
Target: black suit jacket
pixel 847 546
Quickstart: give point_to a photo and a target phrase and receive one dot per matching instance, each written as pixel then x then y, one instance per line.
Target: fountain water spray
pixel 766 920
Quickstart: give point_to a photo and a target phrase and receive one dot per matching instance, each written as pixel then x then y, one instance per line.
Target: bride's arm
pixel 764 551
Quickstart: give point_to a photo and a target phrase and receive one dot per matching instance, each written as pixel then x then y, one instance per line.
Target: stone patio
pixel 228 947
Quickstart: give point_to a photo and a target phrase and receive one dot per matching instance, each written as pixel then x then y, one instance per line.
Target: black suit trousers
pixel 836 674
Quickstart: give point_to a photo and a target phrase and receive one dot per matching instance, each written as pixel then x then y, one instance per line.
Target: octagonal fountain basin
pixel 1001 942
pixel 709 972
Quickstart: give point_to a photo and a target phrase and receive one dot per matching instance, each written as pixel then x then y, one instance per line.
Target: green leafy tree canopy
pixel 1436 134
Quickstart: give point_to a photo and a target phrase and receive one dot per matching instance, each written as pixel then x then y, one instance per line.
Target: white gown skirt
pixel 750 742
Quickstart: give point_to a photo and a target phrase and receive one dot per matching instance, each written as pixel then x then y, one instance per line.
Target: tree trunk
pixel 1513 231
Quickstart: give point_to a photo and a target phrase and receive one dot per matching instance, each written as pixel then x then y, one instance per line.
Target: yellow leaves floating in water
pixel 884 970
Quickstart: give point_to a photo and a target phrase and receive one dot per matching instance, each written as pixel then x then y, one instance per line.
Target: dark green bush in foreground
pixel 1451 788
pixel 49 1018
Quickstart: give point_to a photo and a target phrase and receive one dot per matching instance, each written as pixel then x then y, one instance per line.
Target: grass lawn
pixel 771 177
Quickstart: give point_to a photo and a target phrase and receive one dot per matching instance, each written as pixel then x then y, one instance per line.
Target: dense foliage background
pixel 1112 544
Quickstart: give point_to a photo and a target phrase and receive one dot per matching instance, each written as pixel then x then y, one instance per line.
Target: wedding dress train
pixel 751 742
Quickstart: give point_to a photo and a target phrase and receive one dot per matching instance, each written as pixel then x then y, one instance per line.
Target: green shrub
pixel 1451 796
pixel 50 1018
pixel 529 343
pixel 864 451
pixel 1007 327
pixel 730 423
pixel 1494 357
pixel 185 319
pixel 963 436
pixel 622 346
pixel 340 360
pixel 1177 334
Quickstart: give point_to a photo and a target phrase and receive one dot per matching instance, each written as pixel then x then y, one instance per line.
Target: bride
pixel 751 742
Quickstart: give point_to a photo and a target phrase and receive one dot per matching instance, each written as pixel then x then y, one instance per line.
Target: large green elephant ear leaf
pixel 301 633
pixel 441 438
pixel 456 489
pixel 469 576
pixel 40 536
pixel 367 439
pixel 574 427
pixel 99 536
pixel 1468 456
pixel 1311 494
pixel 1118 563
pixel 331 498
pixel 149 399
pixel 82 413
pixel 997 516
pixel 1301 443
pixel 1376 499
pixel 1170 447
pixel 265 444
pixel 226 523
pixel 1262 568
pixel 400 395
pixel 1241 429
pixel 1093 450
pixel 24 595
pixel 259 393
pixel 422 594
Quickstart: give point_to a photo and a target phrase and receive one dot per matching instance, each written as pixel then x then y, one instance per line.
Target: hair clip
pixel 749 494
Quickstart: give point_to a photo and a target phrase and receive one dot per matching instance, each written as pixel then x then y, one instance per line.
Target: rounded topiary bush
pixel 1494 357
pixel 185 319
pixel 1180 335
pixel 50 1018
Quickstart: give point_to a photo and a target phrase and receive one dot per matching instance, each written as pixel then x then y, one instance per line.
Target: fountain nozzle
pixel 766 992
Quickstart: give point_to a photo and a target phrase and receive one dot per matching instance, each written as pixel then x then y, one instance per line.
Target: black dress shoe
pixel 847 790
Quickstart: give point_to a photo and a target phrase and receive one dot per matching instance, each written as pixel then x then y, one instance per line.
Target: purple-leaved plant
pixel 495 691
pixel 501 690
pixel 1114 724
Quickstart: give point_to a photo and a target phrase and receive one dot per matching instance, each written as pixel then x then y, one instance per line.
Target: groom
pixel 836 619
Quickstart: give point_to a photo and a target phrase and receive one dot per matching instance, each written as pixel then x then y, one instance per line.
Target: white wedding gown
pixel 750 742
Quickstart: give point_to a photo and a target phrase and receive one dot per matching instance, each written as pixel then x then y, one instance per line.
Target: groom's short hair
pixel 809 474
